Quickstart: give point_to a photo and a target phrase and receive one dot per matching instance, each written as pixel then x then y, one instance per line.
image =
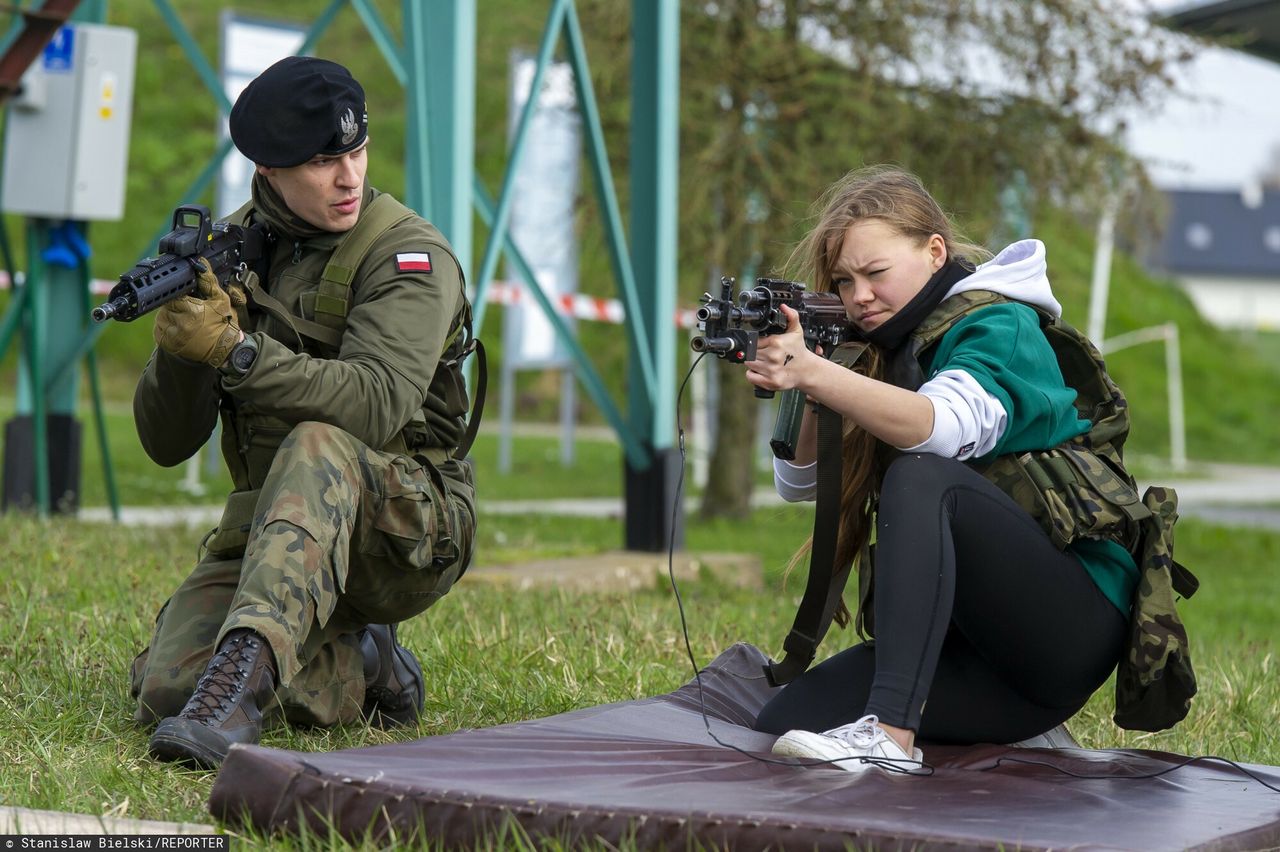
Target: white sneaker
pixel 854 747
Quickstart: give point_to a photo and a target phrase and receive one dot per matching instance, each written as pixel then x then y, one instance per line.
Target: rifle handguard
pixel 154 281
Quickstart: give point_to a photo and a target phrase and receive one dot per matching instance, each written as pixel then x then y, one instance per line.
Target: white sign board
pixel 249 47
pixel 542 210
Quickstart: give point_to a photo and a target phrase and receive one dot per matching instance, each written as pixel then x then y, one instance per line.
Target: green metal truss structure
pixel 442 185
pixel 51 354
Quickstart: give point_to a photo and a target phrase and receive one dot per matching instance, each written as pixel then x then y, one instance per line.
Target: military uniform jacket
pixel 381 384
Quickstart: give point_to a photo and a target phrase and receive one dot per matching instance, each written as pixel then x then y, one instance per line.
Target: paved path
pixel 1230 494
pixel 1226 494
pixel 30 822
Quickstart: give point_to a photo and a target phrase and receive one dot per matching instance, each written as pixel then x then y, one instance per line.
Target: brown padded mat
pixel 646 771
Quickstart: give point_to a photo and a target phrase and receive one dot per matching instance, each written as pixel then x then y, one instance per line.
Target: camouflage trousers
pixel 338 537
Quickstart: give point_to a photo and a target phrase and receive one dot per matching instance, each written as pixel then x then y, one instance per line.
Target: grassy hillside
pixel 174 135
pixel 1228 377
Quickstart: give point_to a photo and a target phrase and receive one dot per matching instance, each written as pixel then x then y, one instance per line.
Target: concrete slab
pixel 27 821
pixel 621 570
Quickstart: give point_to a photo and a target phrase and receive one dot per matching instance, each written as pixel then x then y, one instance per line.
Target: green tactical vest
pixel 1080 489
pixel 251 438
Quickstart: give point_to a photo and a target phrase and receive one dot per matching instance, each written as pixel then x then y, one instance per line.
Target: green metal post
pixel 448 79
pixel 32 399
pixel 94 11
pixel 417 141
pixel 99 413
pixel 48 379
pixel 651 523
pixel 60 333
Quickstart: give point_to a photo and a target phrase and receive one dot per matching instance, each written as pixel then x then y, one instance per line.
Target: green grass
pixel 536 471
pixel 79 600
pixel 1265 344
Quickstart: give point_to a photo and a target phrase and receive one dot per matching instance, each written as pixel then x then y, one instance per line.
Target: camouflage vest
pixel 1080 489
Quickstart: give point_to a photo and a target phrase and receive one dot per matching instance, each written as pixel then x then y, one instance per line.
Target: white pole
pixel 191 481
pixel 1173 378
pixel 506 407
pixel 1101 283
pixel 1177 425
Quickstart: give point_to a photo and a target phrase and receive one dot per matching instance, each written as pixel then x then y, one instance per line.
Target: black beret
pixel 298 108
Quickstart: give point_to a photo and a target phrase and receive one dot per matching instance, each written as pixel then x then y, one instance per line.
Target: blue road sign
pixel 58 53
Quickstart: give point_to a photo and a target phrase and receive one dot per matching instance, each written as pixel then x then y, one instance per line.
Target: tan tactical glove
pixel 200 328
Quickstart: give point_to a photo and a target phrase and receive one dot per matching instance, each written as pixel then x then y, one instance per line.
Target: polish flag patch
pixel 413 262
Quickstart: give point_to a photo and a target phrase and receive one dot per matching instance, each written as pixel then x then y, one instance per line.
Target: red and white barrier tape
pixel 97 286
pixel 574 305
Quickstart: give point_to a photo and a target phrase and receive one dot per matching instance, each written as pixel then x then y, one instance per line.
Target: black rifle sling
pixel 477 405
pixel 826 583
pixel 253 245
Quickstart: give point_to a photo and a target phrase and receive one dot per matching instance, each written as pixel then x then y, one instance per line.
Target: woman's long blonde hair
pixel 897 198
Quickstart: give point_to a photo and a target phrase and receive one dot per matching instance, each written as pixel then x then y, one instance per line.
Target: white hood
pixel 1017 272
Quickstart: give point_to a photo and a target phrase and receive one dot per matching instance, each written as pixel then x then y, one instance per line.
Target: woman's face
pixel 879 270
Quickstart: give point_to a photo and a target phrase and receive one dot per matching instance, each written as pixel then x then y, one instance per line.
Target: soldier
pixel 334 368
pixel 984 443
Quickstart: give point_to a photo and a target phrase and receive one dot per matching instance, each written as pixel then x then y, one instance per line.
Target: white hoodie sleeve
pixel 795 483
pixel 967 421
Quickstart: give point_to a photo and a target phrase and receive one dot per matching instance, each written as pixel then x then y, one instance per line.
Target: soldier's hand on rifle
pixel 202 328
pixel 780 358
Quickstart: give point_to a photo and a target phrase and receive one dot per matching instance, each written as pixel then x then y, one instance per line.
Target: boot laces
pixel 223 681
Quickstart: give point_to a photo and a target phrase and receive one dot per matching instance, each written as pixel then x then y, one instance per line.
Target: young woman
pixel 986 630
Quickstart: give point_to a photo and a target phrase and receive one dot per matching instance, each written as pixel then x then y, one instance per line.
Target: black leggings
pixel 975 610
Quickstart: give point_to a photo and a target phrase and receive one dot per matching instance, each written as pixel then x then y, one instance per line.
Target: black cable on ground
pixel 914 767
pixel 917 767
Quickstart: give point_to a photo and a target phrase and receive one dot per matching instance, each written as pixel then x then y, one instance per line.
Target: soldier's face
pixel 325 190
pixel 878 270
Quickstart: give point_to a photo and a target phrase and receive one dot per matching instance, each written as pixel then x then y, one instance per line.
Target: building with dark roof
pixel 1224 249
pixel 1252 25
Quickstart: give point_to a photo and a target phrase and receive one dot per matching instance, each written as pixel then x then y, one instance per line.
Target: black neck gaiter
pixel 894 331
pixel 273 209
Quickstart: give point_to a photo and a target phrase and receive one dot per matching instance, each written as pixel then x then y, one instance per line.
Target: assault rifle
pixel 156 280
pixel 731 328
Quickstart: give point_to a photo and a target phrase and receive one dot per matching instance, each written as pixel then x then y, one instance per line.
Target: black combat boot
pixel 393 690
pixel 226 707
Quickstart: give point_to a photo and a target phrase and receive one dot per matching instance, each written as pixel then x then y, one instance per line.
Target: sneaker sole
pixel 806 744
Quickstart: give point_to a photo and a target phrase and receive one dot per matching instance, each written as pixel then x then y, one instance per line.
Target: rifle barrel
pixel 106 311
